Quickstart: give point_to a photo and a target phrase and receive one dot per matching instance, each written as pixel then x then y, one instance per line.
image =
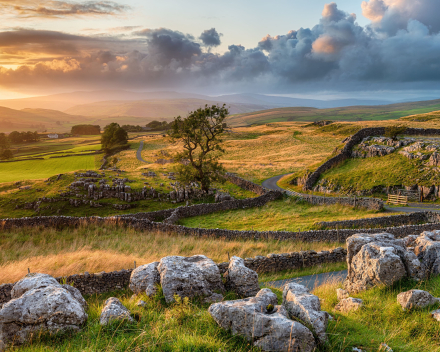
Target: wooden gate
pixel 397 200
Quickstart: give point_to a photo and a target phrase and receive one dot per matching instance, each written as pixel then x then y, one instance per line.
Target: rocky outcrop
pixel 379 260
pixel 196 276
pixel 341 294
pixel 264 323
pixel 114 310
pixel 416 299
pixel 240 279
pixel 427 249
pixel 301 304
pixel 349 304
pixel 434 159
pixel 222 196
pixel 145 279
pixel 40 304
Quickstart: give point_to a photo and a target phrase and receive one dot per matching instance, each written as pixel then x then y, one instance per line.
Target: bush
pixel 114 137
pixel 394 131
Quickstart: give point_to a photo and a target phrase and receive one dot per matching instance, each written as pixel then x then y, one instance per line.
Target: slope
pixel 350 113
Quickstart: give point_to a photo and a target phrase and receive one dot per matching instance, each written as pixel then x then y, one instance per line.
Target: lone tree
pixel 201 133
pixel 114 137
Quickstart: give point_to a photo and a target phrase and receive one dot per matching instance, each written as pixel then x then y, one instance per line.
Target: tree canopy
pixel 201 133
pixel 114 137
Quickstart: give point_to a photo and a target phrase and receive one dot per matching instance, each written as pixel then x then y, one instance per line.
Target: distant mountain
pixel 154 109
pixel 65 101
pixel 36 120
pixel 279 101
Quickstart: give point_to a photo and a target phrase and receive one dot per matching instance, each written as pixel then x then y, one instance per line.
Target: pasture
pixel 38 169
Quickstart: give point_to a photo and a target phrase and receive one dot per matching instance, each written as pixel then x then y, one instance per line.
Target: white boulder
pixel 240 279
pixel 145 278
pixel 114 310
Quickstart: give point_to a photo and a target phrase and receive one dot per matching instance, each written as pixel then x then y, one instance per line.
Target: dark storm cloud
pixel 58 9
pixel 337 53
pixel 210 37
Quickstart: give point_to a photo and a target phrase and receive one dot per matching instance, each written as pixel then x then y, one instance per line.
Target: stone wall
pixel 103 282
pixel 245 184
pixel 384 221
pixel 309 181
pixel 367 203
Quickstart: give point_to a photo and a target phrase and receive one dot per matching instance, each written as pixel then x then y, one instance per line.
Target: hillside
pixel 36 119
pixel 153 108
pixel 350 113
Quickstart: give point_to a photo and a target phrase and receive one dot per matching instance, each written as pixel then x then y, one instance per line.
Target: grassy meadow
pixel 280 215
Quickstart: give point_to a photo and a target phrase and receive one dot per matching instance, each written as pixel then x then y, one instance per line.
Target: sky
pixel 348 48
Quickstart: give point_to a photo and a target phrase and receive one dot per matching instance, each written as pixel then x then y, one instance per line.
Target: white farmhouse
pixel 53 135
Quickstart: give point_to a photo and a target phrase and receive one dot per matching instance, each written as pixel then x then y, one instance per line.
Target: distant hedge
pixel 86 129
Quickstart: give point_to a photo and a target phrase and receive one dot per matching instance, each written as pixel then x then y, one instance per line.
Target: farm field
pixel 38 169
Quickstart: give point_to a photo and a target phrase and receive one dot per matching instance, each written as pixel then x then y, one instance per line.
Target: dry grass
pixel 109 248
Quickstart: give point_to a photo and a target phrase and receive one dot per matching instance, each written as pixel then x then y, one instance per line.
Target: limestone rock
pixel 434 160
pixel 379 260
pixel 51 308
pixel 349 304
pixel 76 294
pixel 240 279
pixel 427 249
pixel 145 278
pixel 436 314
pixel 141 303
pixel 222 196
pixel 31 281
pixel 189 277
pixel 270 331
pixel 300 303
pixel 385 348
pixel 416 299
pixel 114 310
pixel 341 294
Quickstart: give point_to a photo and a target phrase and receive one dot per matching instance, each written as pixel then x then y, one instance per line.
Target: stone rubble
pixel 114 310
pixel 301 304
pixel 349 304
pixel 240 279
pixel 416 299
pixel 268 330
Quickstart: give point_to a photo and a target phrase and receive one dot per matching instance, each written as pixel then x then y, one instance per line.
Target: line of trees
pixel 153 126
pixel 5 152
pixel 23 137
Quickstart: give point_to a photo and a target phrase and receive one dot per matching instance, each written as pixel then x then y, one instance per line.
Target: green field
pixel 280 215
pixel 37 169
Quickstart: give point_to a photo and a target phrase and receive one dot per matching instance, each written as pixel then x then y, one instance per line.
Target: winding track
pixel 139 153
pixel 271 183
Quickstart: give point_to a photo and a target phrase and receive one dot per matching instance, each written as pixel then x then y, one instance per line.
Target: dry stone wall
pixel 385 221
pixel 96 283
pixel 367 203
pixel 309 181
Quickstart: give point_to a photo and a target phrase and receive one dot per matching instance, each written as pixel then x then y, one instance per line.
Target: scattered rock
pixel 141 303
pixel 379 260
pixel 222 196
pixel 300 303
pixel 269 331
pixel 385 348
pixel 416 299
pixel 240 279
pixel 40 304
pixel 114 310
pixel 436 314
pixel 145 278
pixel 189 277
pixel 341 294
pixel 349 304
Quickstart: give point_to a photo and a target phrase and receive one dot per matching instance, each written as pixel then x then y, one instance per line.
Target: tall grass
pixel 108 248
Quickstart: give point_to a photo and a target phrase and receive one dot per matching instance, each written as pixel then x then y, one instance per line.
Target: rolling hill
pixel 349 113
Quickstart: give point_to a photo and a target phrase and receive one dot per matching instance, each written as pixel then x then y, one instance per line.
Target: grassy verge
pixel 108 248
pixel 389 170
pixel 281 215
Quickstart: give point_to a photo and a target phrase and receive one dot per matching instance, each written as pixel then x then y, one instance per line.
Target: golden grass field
pixel 94 249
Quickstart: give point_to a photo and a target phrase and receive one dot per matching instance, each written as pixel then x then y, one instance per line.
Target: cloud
pixel 60 9
pixel 390 16
pixel 210 37
pixel 335 54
